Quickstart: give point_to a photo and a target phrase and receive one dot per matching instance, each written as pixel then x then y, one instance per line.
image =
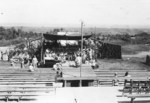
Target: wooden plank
pixel 25 80
pixel 17 73
pixel 24 94
pixel 21 83
pixel 37 90
pixel 99 71
pixel 122 73
pixel 72 73
pixel 78 78
pixel 138 95
pixel 1 82
pixel 110 76
pixel 26 76
pixel 52 79
pixel 26 71
pixel 121 70
pixel 25 86
pixel 23 69
pixel 135 78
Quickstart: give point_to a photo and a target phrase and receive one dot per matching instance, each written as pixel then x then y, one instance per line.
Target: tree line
pixel 10 36
pixel 13 33
pixel 138 38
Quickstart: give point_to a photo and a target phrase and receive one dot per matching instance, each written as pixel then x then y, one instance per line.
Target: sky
pixel 70 13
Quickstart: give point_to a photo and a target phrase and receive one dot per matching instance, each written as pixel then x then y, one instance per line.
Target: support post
pixel 65 83
pixel 42 50
pixel 132 100
pixel 6 98
pixel 80 84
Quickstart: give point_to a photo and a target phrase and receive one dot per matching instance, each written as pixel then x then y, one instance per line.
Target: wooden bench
pixel 134 96
pixel 25 74
pixel 25 90
pixel 120 79
pixel 136 86
pixel 110 81
pixel 26 83
pixel 45 80
pixel 19 91
pixel 19 96
pixel 29 78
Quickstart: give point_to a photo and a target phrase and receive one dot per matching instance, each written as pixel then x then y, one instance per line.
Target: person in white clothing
pixel 55 66
pixel 34 61
pixel 31 67
pixel 78 61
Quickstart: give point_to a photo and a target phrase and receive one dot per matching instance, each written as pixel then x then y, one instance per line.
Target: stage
pixel 77 76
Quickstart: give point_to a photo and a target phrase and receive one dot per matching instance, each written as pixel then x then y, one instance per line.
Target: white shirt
pixel 93 63
pixel 31 68
pixel 34 60
pixel 78 60
pixel 55 67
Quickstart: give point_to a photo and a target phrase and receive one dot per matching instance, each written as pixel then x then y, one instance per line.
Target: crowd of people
pixel 52 55
pixel 25 60
pixel 86 56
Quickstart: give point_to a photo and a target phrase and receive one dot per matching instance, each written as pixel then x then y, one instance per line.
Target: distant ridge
pixel 103 31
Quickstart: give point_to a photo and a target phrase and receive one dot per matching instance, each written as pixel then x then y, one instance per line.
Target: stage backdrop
pixel 110 51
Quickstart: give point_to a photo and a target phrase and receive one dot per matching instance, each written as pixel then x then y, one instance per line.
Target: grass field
pixel 134 49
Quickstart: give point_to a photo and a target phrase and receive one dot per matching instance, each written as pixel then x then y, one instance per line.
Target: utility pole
pixel 81 44
pixel 95 49
pixel 95 34
pixel 81 51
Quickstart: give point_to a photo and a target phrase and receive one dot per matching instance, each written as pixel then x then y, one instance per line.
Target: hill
pixel 104 31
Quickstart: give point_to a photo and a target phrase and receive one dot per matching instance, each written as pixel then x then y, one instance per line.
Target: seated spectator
pixel 115 75
pixel 31 67
pixel 94 64
pixel 59 66
pixel 59 70
pixel 116 81
pixel 12 62
pixel 55 66
pixel 127 74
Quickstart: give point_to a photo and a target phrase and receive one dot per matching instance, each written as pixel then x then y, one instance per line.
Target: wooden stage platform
pixel 81 76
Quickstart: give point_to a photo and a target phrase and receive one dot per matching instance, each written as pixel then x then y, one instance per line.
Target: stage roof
pixel 65 36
